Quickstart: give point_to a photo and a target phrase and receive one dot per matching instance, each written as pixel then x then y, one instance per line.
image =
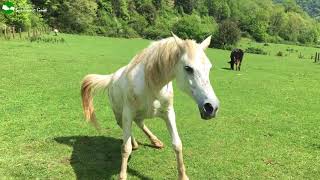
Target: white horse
pixel 143 89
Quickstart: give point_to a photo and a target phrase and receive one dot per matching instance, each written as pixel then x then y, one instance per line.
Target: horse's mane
pixel 159 58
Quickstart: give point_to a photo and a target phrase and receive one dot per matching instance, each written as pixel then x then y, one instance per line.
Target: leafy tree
pixel 186 5
pixel 293 27
pixel 120 8
pixel 19 20
pixel 157 4
pixel 75 16
pixel 219 9
pixel 277 21
pixel 194 27
pixel 228 34
pixel 149 12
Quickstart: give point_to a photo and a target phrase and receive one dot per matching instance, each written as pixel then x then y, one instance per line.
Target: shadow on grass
pixel 96 157
pixel 225 68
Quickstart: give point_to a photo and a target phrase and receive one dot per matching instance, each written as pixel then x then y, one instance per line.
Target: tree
pixel 149 12
pixel 186 5
pixel 194 27
pixel 157 4
pixel 120 9
pixel 228 34
pixel 277 21
pixel 219 9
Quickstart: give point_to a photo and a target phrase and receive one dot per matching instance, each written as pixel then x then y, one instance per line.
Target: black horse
pixel 236 58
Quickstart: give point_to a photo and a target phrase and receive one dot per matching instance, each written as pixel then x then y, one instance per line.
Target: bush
pixel 149 12
pixel 187 27
pixel 158 31
pixel 254 50
pixel 39 39
pixel 280 53
pixel 128 32
pixel 228 34
pixel 138 23
pixel 192 27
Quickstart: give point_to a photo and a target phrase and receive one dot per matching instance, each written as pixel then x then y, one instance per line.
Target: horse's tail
pixel 90 84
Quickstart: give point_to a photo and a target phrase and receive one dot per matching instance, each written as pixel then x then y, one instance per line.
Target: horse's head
pixel 192 74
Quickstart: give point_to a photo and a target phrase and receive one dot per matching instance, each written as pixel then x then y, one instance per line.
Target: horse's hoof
pixel 157 144
pixel 185 177
pixel 123 176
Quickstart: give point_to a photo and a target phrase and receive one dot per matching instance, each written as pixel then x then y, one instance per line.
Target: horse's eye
pixel 188 69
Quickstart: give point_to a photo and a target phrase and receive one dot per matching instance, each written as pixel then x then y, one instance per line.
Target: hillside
pixel 154 19
pixel 312 7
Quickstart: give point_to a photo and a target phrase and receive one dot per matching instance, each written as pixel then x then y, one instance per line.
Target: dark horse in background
pixel 236 59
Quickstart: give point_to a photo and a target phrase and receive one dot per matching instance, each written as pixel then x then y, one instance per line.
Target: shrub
pixel 193 27
pixel 149 12
pixel 280 53
pixel 128 32
pixel 254 50
pixel 39 39
pixel 138 23
pixel 228 34
pixel 187 27
pixel 158 31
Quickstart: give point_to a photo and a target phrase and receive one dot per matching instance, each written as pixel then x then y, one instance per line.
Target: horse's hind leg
pixel 154 140
pixel 133 140
pixel 126 146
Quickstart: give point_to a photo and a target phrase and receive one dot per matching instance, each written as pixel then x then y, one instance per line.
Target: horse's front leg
pixel 176 142
pixel 126 149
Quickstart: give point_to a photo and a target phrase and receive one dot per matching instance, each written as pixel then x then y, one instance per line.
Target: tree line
pixel 227 20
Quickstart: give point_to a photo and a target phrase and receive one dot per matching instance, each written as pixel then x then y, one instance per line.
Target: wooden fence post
pixel 20 33
pixel 5 32
pixel 13 32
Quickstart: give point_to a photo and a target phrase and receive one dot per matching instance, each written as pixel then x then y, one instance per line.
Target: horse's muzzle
pixel 208 110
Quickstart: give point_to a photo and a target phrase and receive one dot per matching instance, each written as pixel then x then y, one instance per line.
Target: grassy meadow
pixel 268 126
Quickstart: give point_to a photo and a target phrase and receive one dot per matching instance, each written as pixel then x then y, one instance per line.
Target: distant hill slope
pixel 312 7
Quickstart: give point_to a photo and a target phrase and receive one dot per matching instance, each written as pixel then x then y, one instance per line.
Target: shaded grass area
pixel 267 127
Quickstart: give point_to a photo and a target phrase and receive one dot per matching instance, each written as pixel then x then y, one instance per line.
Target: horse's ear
pixel 205 44
pixel 177 40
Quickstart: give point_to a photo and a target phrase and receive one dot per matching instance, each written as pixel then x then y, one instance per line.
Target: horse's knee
pixel 126 149
pixel 177 147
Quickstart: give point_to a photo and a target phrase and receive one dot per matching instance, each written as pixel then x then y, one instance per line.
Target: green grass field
pixel 268 126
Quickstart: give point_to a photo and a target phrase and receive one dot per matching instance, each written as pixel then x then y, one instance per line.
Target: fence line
pixel 11 32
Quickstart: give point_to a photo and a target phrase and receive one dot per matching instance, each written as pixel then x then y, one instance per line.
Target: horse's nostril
pixel 208 108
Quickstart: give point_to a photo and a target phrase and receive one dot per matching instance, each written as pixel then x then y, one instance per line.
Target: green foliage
pixel 228 34
pixel 120 9
pixel 157 32
pixel 194 27
pixel 186 5
pixel 138 23
pixel 19 20
pixel 312 7
pixel 149 12
pixel 219 9
pixel 255 50
pixel 39 39
pixel 263 21
pixel 280 53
